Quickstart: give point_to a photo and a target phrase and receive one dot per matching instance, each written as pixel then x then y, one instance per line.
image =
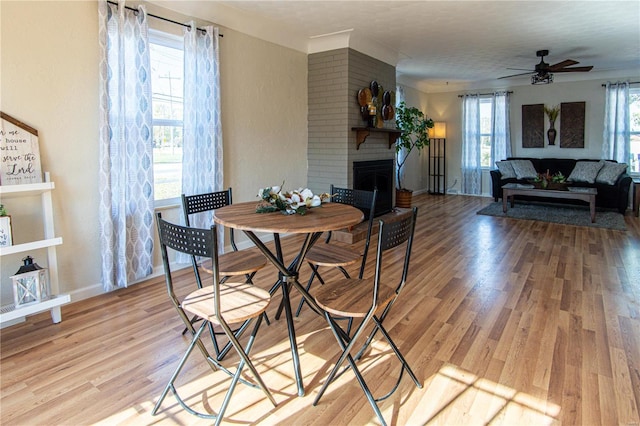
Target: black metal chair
pixel 339 255
pixel 369 299
pixel 234 263
pixel 231 264
pixel 220 304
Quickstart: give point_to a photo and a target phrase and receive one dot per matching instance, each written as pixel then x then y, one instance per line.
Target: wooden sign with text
pixel 19 152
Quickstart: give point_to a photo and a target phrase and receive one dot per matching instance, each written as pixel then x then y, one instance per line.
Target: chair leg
pixel 244 361
pixel 374 331
pixel 244 356
pixel 238 332
pixel 249 278
pixel 314 273
pixel 395 349
pixel 347 344
pixel 174 376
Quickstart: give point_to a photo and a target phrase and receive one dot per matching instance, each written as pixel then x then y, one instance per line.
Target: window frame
pixel 174 41
pixel 487 101
pixel 633 91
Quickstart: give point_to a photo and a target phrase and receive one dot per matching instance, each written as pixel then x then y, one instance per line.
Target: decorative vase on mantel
pixel 551 133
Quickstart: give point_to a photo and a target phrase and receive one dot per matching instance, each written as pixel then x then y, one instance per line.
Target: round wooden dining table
pixel 327 217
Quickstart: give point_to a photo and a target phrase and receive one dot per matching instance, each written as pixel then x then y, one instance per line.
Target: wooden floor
pixel 504 321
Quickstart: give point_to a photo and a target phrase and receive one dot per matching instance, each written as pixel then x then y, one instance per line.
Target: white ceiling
pixel 446 45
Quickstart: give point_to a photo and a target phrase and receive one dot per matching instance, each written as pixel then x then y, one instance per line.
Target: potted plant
pixel 414 126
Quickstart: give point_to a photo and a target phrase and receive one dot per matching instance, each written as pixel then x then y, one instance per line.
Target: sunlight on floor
pixel 451 396
pixel 455 396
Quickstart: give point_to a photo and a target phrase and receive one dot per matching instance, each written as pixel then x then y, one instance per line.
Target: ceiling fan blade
pixel 563 64
pixel 574 69
pixel 522 69
pixel 515 75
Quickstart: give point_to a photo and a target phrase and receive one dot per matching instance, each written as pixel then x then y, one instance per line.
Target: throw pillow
pixel 610 172
pixel 524 169
pixel 506 169
pixel 585 171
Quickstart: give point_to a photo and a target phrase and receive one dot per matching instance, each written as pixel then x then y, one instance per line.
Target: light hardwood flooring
pixel 504 321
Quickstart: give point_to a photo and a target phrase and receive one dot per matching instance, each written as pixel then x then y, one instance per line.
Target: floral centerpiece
pixel 549 181
pixel 288 202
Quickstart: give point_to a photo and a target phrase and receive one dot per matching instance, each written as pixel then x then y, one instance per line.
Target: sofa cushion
pixel 524 169
pixel 506 169
pixel 610 172
pixel 585 171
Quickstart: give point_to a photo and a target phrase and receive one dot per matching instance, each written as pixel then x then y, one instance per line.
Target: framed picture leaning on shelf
pixel 6 238
pixel 19 152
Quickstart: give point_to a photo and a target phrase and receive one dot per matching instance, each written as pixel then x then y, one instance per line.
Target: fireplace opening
pixel 369 175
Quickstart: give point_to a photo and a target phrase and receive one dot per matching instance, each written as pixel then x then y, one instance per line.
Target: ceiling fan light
pixel 542 79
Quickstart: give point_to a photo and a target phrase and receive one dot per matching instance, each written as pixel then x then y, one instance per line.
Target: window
pixel 485 132
pixel 167 68
pixel 634 126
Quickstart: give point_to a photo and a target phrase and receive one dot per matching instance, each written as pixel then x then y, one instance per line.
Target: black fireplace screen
pixel 369 175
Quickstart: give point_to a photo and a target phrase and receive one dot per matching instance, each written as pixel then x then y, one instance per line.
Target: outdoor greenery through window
pixel 634 116
pixel 485 132
pixel 167 71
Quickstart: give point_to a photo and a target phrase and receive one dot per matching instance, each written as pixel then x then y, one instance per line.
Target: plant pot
pixel 558 186
pixel 403 198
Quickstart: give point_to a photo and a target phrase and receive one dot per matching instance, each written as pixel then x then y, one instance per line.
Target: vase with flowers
pixel 552 113
pixel 556 181
pixel 299 201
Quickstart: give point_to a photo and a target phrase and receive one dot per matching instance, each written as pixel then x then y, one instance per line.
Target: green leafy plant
pixel 552 112
pixel 415 135
pixel 545 178
pixel 3 211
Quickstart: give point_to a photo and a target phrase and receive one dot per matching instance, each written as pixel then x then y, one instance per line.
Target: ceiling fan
pixel 542 74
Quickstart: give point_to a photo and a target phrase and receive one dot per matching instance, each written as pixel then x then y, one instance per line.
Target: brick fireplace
pixel 334 79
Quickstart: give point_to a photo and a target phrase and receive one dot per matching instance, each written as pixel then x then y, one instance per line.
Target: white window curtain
pixel 500 127
pixel 126 166
pixel 202 145
pixel 471 170
pixel 400 97
pixel 616 134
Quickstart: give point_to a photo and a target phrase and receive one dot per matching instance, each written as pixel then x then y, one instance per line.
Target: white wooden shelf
pixel 33 245
pixel 26 190
pixel 11 313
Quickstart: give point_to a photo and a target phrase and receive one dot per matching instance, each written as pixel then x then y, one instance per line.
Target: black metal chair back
pixel 177 238
pixel 208 202
pixel 366 202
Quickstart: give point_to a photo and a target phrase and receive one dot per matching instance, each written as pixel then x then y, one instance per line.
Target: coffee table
pixel 510 190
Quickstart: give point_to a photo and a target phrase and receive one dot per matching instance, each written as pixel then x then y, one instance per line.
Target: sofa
pixel 610 178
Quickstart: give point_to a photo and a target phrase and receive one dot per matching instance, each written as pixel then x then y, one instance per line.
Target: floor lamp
pixel 437 158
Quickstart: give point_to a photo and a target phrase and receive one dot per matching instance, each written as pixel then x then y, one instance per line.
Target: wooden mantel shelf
pixel 363 132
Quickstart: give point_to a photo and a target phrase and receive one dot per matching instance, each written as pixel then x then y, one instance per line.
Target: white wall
pixel 448 107
pixel 49 80
pixel 415 177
